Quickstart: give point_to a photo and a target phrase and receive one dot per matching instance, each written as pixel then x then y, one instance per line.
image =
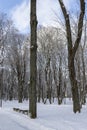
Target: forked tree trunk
pixel 72 50
pixel 33 60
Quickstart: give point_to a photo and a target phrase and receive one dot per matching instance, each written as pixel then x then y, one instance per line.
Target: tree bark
pixel 59 87
pixel 39 86
pixel 33 60
pixel 1 86
pixel 84 79
pixel 72 50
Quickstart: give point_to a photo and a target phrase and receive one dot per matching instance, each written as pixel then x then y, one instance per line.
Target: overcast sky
pixel 19 10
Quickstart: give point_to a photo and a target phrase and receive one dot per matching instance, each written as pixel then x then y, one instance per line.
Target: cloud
pixel 45 13
pixel 20 16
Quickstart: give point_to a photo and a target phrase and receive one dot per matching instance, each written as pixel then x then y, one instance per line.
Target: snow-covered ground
pixel 50 117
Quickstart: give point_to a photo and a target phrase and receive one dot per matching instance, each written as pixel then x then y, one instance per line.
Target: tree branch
pixel 80 26
pixel 68 27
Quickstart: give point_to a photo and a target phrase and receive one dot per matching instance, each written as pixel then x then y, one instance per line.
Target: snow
pixel 50 117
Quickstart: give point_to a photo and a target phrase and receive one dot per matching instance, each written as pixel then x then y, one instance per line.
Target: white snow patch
pixel 50 117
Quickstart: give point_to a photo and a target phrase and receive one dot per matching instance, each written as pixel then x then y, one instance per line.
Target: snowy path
pixel 7 123
pixel 50 117
pixel 10 120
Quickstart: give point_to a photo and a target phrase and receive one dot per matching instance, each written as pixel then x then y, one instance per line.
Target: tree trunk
pixel 1 86
pixel 72 50
pixel 75 93
pixel 20 91
pixel 33 60
pixel 48 80
pixel 39 86
pixel 84 79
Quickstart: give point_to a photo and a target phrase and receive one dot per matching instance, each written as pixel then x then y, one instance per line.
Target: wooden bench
pixel 21 111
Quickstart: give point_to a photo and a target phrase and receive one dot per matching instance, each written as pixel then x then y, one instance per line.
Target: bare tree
pixel 3 35
pixel 16 54
pixel 72 50
pixel 51 48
